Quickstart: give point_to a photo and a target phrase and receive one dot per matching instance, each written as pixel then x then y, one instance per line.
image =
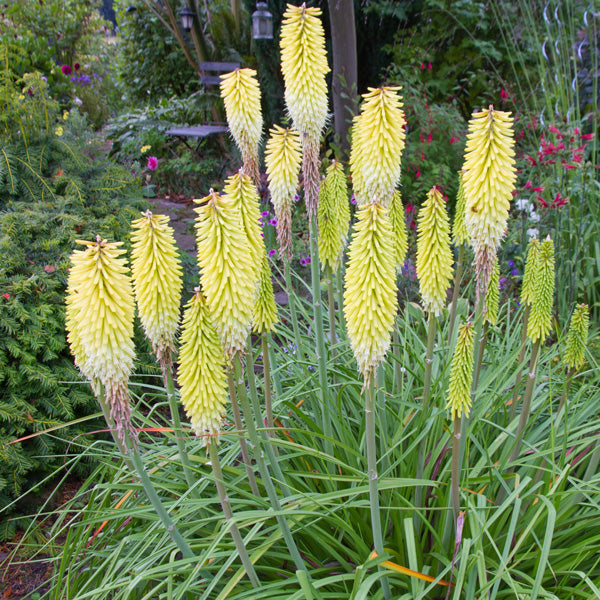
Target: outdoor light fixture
pixel 262 22
pixel 187 18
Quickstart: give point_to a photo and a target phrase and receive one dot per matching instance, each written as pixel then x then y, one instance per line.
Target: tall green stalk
pixel 513 405
pixel 265 346
pixel 331 307
pixel 455 291
pixel 293 311
pixel 340 292
pixel 456 437
pixel 480 352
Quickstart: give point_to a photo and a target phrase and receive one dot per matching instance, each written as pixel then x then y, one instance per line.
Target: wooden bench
pixel 201 132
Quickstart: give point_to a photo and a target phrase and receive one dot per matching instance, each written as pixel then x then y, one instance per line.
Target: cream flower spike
pixel 540 317
pixel 227 273
pixel 370 297
pixel 201 372
pixel 157 282
pixel 399 229
pixel 434 257
pixel 489 176
pixel 461 373
pixel 283 158
pixel 377 144
pixel 265 309
pixel 100 321
pixel 241 96
pixel 333 215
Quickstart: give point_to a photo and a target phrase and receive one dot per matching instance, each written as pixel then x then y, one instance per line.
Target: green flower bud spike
pixel 574 356
pixel 461 373
pixel 399 230
pixel 377 144
pixel 283 158
pixel 492 299
pixel 531 266
pixel 370 300
pixel 201 371
pixel 265 309
pixel 460 234
pixel 157 281
pixel 489 176
pixel 540 318
pixel 227 274
pixel 241 96
pixel 434 257
pixel 333 216
pixel 100 324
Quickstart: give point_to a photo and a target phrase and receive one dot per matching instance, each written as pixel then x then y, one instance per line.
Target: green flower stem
pixel 276 379
pixel 513 406
pixel 455 291
pixel 331 303
pixel 238 425
pixel 264 340
pixel 456 455
pixel 483 341
pixel 340 291
pixel 526 401
pixel 565 393
pixel 372 475
pixel 294 313
pixel 228 514
pixel 431 330
pixel 397 360
pixel 262 467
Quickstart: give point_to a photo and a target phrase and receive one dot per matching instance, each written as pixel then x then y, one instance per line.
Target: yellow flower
pixel 377 144
pixel 460 234
pixel 283 157
pixel 540 317
pixel 528 285
pixel 157 282
pixel 399 229
pixel 58 131
pixel 574 356
pixel 201 372
pixel 434 257
pixel 65 115
pixel 265 309
pixel 370 297
pixel 461 373
pixel 145 149
pixel 241 96
pixel 489 176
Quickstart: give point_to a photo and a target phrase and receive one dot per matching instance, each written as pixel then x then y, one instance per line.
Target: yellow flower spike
pixel 489 176
pixel 574 356
pixel 157 281
pixel 202 369
pixel 399 230
pixel 460 234
pixel 100 323
pixel 370 299
pixel 283 157
pixel 492 299
pixel 241 96
pixel 461 373
pixel 377 144
pixel 434 257
pixel 540 317
pixel 527 287
pixel 333 216
pixel 265 309
pixel 227 274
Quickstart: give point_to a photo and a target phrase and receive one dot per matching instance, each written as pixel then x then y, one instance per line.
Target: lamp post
pixel 187 19
pixel 262 22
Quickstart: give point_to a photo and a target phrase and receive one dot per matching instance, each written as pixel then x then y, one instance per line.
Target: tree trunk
pixel 343 43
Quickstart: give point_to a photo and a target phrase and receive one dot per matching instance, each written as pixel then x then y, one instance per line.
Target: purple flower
pixel 302 261
pixel 152 163
pixel 502 282
pixel 273 222
pixel 272 252
pixel 265 213
pixel 511 263
pixel 296 198
pixel 353 199
pixel 514 272
pixel 66 70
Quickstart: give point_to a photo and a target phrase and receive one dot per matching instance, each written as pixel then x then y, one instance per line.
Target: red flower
pixel 554 130
pixel 429 66
pixel 409 208
pixel 542 201
pixel 538 189
pixel 566 165
pixel 5 295
pixel 76 66
pixel 152 163
pixel 429 138
pixel 66 70
pixel 530 160
pixel 503 94
pixel 422 66
pixel 587 136
pixel 418 174
pixel 559 200
pixel 423 157
pixel 576 131
pixel 453 139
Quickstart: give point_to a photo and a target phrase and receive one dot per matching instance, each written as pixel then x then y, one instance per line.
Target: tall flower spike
pixel 461 373
pixel 574 356
pixel 283 158
pixel 100 320
pixel 377 144
pixel 333 215
pixel 528 285
pixel 540 318
pixel 489 180
pixel 227 273
pixel 492 298
pixel 265 309
pixel 370 300
pixel 399 229
pixel 304 67
pixel 460 234
pixel 201 371
pixel 156 273
pixel 241 96
pixel 434 257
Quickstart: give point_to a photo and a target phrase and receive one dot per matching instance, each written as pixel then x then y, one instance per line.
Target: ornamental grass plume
pixel 241 96
pixel 100 311
pixel 489 176
pixel 370 299
pixel 461 373
pixel 460 234
pixel 304 67
pixel 265 309
pixel 377 144
pixel 283 157
pixel 202 369
pixel 540 318
pixel 434 257
pixel 400 238
pixel 574 356
pixel 492 299
pixel 157 281
pixel 333 216
pixel 531 266
pixel 227 274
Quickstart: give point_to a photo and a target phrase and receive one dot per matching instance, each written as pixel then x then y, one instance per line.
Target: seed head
pixel 540 317
pixel 461 373
pixel 399 229
pixel 574 356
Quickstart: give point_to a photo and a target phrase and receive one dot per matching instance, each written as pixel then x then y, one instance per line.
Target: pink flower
pixel 5 295
pixel 66 70
pixel 152 163
pixel 503 94
pixel 429 66
pixel 576 131
pixel 587 136
pixel 422 66
pixel 566 165
pixel 452 140
pixel 554 130
pixel 272 252
pixel 77 66
pixel 418 174
pixel 528 185
pixel 429 138
pixel 530 160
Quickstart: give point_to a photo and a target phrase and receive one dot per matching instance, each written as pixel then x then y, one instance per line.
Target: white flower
pixel 534 217
pixel 533 232
pixel 523 204
pixel 77 101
